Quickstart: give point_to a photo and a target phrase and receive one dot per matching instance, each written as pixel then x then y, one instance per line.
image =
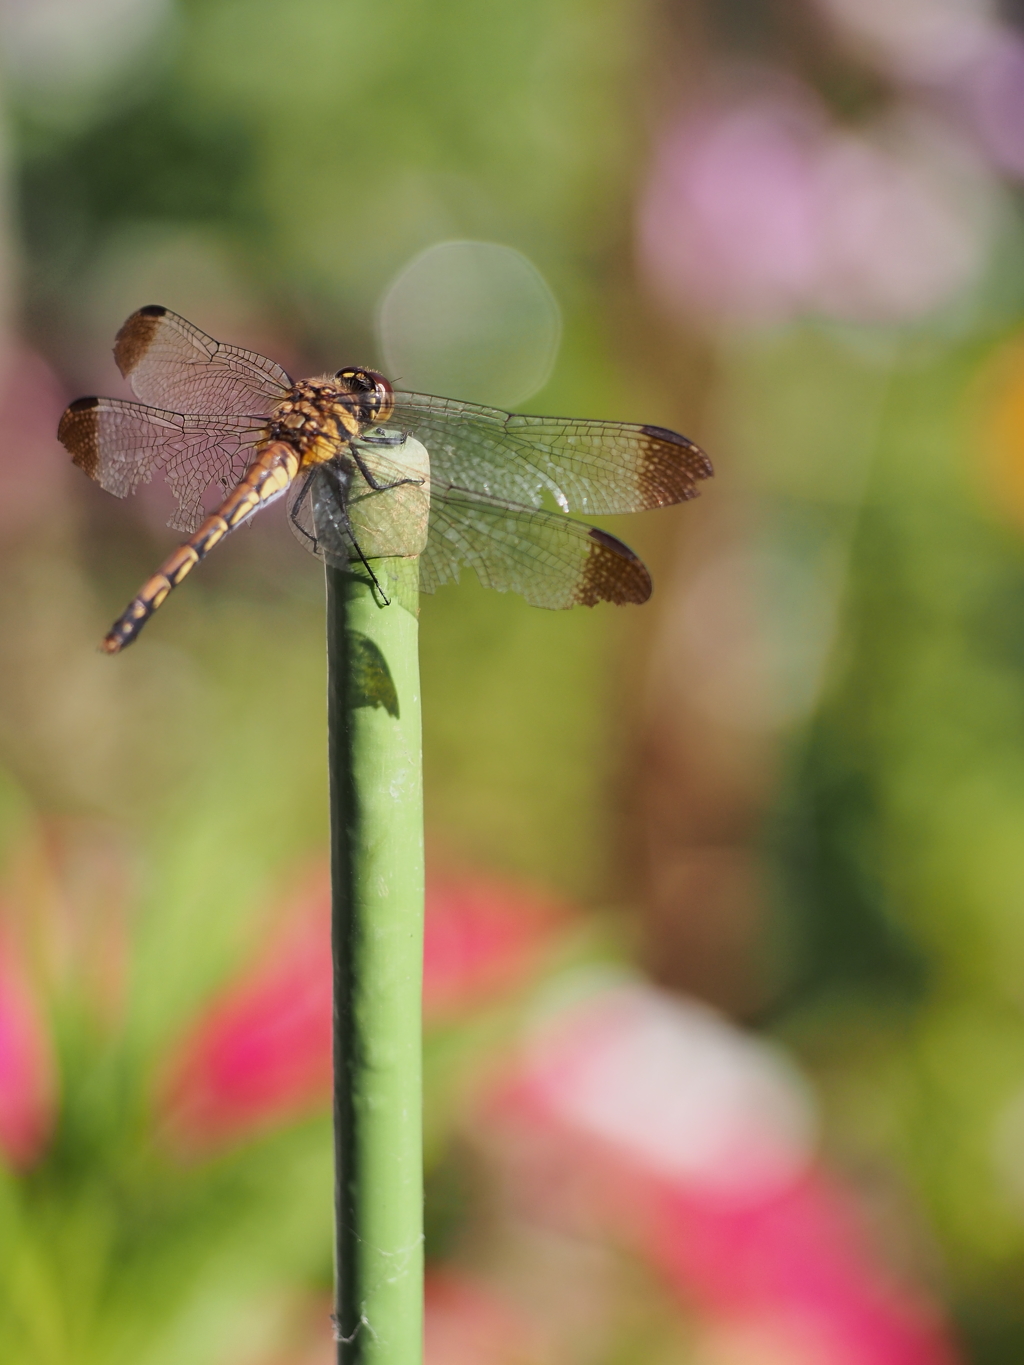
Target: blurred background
pixel 725 948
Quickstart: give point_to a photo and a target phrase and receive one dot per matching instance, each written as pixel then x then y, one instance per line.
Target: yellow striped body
pixel 271 472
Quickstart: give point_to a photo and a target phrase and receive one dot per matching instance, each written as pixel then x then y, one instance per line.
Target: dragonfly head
pixel 375 398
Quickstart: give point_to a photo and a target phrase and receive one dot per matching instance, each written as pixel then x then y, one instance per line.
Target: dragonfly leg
pixel 368 476
pixel 296 507
pixel 341 490
pixel 376 581
pixel 380 437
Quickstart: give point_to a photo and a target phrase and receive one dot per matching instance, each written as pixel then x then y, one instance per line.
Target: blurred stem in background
pixel 377 937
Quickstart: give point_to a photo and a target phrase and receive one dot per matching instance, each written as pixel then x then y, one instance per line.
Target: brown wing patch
pixel 122 444
pixel 669 467
pixel 612 573
pixel 546 557
pixel 586 466
pixel 174 366
pixel 136 336
pixel 79 433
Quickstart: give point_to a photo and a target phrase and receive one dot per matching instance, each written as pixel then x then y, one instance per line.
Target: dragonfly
pixel 370 471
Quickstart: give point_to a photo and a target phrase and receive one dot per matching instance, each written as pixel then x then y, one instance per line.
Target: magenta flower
pixel 259 1055
pixel 484 939
pixel 28 1086
pixel 758 210
pixel 960 58
pixel 655 1124
pixel 728 223
pixel 990 92
pixel 918 40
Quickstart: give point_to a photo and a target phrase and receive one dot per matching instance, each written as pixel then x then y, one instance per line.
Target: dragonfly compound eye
pixel 374 391
pixel 359 381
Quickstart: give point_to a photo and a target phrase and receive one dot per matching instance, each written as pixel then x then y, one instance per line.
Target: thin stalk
pixel 377 945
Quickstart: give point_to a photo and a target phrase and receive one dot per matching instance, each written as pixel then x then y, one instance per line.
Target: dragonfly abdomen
pixel 268 477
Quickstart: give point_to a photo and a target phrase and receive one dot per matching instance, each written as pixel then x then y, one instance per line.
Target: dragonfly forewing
pixel 172 364
pixel 592 467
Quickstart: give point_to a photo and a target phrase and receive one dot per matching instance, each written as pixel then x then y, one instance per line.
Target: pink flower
pixel 728 223
pixel 990 92
pixel 259 1055
pixel 758 210
pixel 961 57
pixel 28 1086
pixel 918 40
pixel 654 1123
pixel 484 939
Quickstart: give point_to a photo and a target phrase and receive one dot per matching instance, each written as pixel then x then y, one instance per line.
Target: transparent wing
pixel 547 558
pixel 543 556
pixel 586 466
pixel 120 445
pixel 170 363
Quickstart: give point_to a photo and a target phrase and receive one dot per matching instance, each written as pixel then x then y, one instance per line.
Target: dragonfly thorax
pixel 318 416
pixel 315 413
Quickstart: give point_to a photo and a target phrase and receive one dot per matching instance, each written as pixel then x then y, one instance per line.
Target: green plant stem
pixel 377 945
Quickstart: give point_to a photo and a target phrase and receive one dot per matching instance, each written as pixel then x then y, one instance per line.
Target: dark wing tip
pixel 78 433
pixel 612 573
pixel 136 336
pixel 670 467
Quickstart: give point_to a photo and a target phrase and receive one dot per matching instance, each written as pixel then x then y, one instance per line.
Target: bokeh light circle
pixel 470 320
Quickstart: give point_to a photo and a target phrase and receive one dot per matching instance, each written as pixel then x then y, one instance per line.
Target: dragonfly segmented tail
pixel 272 471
